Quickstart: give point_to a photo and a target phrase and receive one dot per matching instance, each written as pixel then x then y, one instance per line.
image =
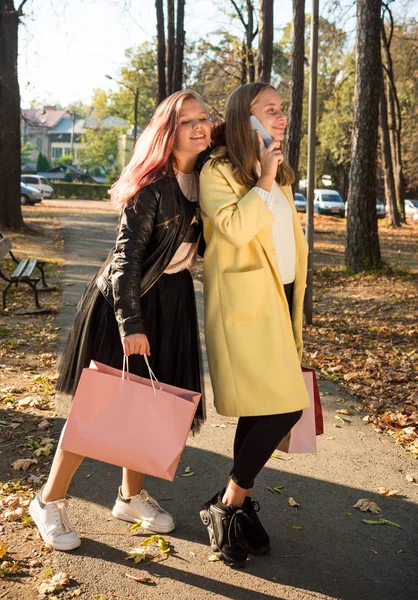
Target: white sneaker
pixel 145 510
pixel 52 521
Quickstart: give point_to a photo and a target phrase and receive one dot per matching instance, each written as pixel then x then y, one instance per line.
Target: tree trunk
pixel 10 147
pixel 362 243
pixel 297 61
pixel 265 46
pixel 162 87
pixel 390 192
pixel 394 115
pixel 250 38
pixel 396 150
pixel 170 44
pixel 179 53
pixel 243 63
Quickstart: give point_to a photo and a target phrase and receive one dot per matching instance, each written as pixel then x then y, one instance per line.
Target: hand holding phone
pixel 257 126
pixel 270 156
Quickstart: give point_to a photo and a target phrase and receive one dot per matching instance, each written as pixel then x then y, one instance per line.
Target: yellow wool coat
pixel 254 348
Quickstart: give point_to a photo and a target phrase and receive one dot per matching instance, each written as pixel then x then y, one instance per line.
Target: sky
pixel 66 47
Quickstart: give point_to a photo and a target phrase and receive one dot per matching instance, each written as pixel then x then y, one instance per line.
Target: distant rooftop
pixel 45 117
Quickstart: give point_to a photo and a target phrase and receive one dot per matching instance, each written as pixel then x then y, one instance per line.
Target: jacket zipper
pixel 175 218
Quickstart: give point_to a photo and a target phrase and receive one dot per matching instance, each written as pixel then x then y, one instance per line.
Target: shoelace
pixel 234 527
pixel 60 512
pixel 150 500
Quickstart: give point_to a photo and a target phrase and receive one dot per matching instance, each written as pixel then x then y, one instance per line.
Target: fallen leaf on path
pixel 410 478
pixel 399 551
pixel 343 421
pixel 213 558
pixel 23 464
pixel 161 542
pixel 3 549
pixel 364 504
pixel 387 492
pixel 350 376
pixel 35 563
pixel 374 551
pixel 139 555
pixel 381 522
pixel 60 578
pixel 296 527
pixel 7 567
pixel 139 579
pixel 281 456
pixel 292 502
pixel 14 514
pixel 187 472
pixel 343 411
pixel 135 526
pixel 24 402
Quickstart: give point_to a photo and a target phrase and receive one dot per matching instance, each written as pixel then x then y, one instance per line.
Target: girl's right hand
pixel 270 158
pixel 137 343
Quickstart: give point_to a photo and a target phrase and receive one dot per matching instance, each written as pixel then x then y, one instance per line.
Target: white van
pixel 40 183
pixel 328 202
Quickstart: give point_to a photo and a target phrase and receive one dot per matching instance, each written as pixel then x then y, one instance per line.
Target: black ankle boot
pixel 224 523
pixel 255 535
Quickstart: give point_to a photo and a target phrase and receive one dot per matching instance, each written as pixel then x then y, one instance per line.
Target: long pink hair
pixel 152 153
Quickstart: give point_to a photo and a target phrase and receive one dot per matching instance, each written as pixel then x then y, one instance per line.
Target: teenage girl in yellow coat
pixel 255 269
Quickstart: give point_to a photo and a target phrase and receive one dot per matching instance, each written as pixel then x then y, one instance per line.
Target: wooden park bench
pixel 24 273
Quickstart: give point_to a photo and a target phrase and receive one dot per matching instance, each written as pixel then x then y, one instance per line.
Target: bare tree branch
pixel 20 9
pixel 240 15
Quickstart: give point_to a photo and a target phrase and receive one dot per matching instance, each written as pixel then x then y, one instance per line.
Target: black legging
pixel 257 437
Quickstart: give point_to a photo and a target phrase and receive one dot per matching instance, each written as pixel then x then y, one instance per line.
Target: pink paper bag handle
pixel 125 368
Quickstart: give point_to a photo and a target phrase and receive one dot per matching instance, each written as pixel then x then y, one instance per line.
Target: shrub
pixel 81 191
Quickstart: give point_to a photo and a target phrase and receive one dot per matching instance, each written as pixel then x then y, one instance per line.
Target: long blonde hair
pixel 241 149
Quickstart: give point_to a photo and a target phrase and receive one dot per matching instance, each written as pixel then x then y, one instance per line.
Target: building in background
pixel 58 133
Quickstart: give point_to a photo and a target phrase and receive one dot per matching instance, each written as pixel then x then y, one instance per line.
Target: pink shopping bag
pixel 302 437
pixel 129 421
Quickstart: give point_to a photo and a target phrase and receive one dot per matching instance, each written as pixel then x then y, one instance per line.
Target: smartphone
pixel 257 126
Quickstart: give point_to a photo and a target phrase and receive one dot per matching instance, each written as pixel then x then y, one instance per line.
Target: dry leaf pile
pixel 365 337
pixel 27 403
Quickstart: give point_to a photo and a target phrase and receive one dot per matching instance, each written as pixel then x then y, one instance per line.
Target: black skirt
pixel 170 317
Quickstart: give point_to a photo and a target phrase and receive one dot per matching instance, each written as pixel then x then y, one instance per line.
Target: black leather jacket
pixel 148 237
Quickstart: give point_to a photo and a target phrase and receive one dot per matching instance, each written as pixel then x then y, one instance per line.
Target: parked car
pixel 39 183
pixel 380 209
pixel 29 195
pixel 411 209
pixel 300 202
pixel 328 202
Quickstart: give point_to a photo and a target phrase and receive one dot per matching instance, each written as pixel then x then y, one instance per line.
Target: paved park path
pixel 330 554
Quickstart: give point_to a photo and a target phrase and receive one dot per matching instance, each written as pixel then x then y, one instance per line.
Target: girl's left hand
pixel 137 343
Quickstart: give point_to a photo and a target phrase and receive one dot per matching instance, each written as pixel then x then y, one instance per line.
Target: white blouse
pixel 185 257
pixel 282 231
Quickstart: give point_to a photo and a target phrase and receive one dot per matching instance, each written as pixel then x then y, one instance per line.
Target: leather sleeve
pixel 135 231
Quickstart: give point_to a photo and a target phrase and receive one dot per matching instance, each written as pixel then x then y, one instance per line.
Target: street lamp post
pixel 313 81
pixel 136 95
